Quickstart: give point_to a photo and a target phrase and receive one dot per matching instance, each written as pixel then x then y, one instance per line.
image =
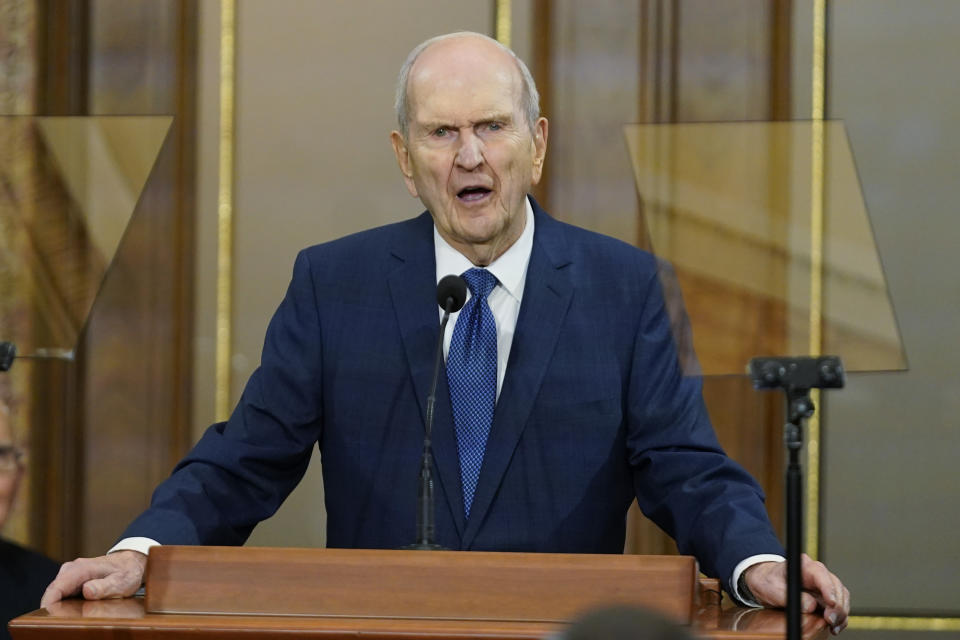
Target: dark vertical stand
pixel 426 509
pixel 796 376
pixel 799 408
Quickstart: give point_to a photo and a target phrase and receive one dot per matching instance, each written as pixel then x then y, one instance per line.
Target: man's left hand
pixel 821 589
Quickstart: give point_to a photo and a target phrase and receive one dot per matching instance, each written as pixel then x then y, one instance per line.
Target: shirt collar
pixel 510 268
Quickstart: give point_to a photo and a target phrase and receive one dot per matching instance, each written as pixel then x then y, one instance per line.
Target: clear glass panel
pixel 68 188
pixel 730 207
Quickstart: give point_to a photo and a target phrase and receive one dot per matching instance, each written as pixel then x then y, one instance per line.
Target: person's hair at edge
pixel 529 97
pixel 623 623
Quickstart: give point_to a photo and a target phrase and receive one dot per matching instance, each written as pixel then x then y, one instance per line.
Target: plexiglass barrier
pixel 763 227
pixel 68 188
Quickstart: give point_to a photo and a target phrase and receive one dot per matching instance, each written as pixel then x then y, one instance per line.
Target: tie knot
pixel 480 281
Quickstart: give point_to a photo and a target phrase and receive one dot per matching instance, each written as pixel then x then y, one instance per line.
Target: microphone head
pixel 454 287
pixel 8 351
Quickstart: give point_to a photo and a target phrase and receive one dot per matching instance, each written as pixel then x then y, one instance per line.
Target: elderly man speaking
pixel 562 399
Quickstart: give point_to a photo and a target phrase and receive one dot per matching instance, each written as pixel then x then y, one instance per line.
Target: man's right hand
pixel 117 575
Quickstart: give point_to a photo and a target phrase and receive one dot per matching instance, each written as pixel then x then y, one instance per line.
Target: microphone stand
pixel 799 408
pixel 426 509
pixel 796 376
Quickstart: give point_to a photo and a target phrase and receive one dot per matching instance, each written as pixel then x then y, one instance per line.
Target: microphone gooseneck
pixel 451 296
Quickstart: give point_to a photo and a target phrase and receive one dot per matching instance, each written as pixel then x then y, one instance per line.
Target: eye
pixel 440 132
pixel 494 126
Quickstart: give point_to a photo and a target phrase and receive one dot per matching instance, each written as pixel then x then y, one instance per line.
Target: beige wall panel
pixel 595 87
pixel 891 508
pixel 801 59
pixel 205 264
pixel 314 107
pixel 522 21
pixel 723 59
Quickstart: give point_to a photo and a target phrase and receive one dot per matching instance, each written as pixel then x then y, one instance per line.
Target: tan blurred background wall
pixel 889 504
pixel 891 508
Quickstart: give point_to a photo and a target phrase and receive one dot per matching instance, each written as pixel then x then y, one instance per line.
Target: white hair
pixel 529 97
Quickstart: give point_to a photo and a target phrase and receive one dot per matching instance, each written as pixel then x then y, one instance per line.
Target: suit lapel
pixel 546 298
pixel 413 288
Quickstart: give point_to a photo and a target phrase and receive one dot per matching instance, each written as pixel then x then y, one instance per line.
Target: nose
pixel 470 153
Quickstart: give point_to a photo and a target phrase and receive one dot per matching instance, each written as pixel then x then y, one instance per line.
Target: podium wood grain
pixel 453 585
pixel 112 619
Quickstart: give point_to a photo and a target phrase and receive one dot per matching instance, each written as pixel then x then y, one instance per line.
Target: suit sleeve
pixel 241 470
pixel 683 479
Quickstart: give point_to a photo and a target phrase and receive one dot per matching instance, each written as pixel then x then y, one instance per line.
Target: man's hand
pixel 768 583
pixel 117 575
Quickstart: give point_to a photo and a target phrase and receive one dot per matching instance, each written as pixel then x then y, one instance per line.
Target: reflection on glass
pixel 729 206
pixel 68 187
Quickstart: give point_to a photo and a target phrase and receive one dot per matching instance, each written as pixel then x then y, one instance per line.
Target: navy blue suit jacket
pixel 593 413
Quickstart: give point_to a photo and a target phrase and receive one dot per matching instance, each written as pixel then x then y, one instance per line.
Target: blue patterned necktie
pixel 472 377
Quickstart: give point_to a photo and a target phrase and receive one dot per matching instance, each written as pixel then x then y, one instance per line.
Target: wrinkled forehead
pixel 463 75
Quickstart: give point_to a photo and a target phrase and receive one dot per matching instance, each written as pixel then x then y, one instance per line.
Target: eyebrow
pixel 430 125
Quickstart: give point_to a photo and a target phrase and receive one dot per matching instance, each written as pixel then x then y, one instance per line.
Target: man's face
pixel 469 154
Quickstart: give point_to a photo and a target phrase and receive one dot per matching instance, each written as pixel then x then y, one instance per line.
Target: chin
pixel 483 233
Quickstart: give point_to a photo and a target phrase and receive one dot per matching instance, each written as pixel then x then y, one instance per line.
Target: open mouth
pixel 473 194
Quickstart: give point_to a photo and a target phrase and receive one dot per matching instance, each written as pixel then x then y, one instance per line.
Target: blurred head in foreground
pixel 623 623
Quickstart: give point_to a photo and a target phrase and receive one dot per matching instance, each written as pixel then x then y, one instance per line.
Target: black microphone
pixel 8 351
pixel 453 290
pixel 451 295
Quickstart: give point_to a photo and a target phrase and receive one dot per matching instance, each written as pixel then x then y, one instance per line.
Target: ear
pixel 539 148
pixel 403 159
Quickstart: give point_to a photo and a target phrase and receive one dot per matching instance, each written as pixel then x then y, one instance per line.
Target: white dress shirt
pixel 510 270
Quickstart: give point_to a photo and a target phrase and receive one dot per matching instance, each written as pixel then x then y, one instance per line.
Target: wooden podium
pixel 214 592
